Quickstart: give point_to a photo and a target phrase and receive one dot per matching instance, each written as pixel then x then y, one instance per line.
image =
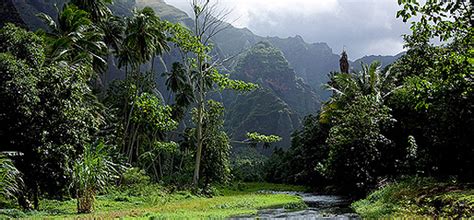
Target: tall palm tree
pixel 177 78
pixel 179 83
pixel 74 38
pixel 145 36
pixel 98 9
pixel 346 86
pixel 144 40
pixel 113 28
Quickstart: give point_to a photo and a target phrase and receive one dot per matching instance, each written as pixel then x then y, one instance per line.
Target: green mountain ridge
pixel 281 102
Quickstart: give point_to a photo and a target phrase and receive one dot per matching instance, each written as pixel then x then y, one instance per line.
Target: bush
pixel 416 196
pixel 134 176
pixel 248 166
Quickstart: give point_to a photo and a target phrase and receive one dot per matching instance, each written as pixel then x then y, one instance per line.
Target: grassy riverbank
pixel 418 197
pixel 155 201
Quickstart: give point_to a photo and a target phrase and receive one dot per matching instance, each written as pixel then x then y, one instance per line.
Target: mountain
pixel 311 62
pixel 27 10
pixel 281 102
pixel 384 60
pixel 9 14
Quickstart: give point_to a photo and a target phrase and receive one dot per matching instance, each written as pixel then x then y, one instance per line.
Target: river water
pixel 319 207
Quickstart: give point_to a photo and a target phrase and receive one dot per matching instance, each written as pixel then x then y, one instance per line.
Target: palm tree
pixel 97 9
pixel 74 39
pixel 346 86
pixel 113 28
pixel 91 174
pixel 10 178
pixel 145 37
pixel 179 83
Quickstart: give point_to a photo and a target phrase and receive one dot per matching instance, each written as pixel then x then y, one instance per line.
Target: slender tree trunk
pixel 171 164
pixel 180 167
pixel 160 168
pixel 152 64
pixel 199 135
pixel 155 171
pixel 163 63
pixel 129 118
pixel 132 143
pixel 36 197
pixel 201 103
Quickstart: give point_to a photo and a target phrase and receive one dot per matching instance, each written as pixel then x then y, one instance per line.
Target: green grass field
pixel 154 201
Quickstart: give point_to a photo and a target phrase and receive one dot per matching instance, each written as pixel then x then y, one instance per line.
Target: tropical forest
pixel 207 109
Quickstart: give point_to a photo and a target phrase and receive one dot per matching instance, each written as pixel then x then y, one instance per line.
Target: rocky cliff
pixel 281 102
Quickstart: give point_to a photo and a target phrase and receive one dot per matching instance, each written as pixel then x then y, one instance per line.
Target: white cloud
pixel 384 46
pixel 364 26
pixel 246 10
pixel 243 10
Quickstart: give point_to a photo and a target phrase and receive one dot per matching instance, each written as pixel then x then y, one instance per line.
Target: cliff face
pixel 281 102
pixel 9 14
pixel 267 65
pixel 311 62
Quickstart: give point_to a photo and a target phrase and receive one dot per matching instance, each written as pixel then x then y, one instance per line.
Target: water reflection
pixel 319 207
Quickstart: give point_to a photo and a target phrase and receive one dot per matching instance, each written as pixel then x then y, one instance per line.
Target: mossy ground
pixel 418 197
pixel 153 201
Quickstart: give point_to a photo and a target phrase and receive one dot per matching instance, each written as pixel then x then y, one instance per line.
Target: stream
pixel 319 207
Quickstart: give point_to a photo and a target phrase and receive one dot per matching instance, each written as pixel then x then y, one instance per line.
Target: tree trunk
pixel 24 203
pixel 36 197
pixel 199 138
pixel 160 168
pixel 163 63
pixel 85 201
pixel 152 64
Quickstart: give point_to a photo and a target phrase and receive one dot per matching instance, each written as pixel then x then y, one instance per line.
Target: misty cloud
pixel 363 27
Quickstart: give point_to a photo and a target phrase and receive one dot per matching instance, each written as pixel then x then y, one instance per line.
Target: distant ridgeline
pixel 290 70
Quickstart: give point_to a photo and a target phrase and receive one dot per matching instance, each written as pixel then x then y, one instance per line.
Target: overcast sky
pixel 363 27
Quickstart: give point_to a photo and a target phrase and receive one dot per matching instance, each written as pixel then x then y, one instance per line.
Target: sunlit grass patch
pixel 154 201
pixel 418 197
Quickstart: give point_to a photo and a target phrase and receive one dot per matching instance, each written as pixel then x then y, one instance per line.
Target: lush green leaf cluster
pixel 216 151
pixel 10 179
pixel 260 138
pixel 49 113
pixel 150 112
